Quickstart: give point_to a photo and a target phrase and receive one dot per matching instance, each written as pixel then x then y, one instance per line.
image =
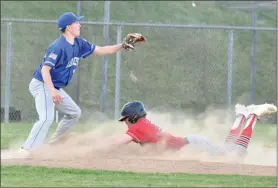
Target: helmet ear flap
pixel 133 119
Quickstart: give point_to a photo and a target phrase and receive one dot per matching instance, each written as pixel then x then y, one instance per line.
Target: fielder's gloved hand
pixel 131 39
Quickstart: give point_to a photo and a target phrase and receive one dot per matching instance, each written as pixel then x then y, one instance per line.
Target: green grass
pixel 14 134
pixel 41 176
pixel 178 68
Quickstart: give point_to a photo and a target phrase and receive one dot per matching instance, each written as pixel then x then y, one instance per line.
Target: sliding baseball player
pixel 142 131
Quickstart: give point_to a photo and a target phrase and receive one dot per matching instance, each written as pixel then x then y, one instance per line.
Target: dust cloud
pixel 96 142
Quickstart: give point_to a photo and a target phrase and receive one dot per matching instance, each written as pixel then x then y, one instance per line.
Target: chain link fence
pixel 181 67
pixel 194 68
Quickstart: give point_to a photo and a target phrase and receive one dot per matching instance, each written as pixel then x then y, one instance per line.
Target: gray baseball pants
pixel 46 109
pixel 203 144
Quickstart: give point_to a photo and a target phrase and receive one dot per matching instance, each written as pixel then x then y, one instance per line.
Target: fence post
pixel 8 72
pixel 105 59
pixel 77 72
pixel 118 73
pixel 230 69
pixel 253 59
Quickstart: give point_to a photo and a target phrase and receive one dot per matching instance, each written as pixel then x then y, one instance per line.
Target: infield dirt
pixel 91 150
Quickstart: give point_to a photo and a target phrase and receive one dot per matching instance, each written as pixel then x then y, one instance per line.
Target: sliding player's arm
pixel 130 136
pixel 125 139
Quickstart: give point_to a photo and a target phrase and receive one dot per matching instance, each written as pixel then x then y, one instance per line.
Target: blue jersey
pixel 64 57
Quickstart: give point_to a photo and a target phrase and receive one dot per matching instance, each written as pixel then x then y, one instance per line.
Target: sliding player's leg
pixel 238 140
pixel 256 112
pixel 205 145
pixel 241 114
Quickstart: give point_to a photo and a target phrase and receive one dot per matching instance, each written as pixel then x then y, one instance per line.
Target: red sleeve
pixel 134 133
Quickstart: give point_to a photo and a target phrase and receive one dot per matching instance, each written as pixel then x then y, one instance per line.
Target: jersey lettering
pixel 73 62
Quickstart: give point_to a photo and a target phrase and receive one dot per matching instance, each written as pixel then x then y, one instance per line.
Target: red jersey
pixel 144 132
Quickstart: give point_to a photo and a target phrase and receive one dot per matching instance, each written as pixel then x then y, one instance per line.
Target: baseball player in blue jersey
pixel 55 72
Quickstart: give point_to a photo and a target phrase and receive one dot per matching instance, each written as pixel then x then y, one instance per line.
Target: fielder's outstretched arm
pixel 107 50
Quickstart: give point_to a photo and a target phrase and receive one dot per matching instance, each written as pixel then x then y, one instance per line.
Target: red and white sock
pixel 247 132
pixel 235 130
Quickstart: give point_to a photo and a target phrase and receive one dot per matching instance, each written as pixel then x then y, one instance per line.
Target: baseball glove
pixel 131 39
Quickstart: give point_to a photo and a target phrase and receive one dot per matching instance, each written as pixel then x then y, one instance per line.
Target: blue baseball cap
pixel 68 18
